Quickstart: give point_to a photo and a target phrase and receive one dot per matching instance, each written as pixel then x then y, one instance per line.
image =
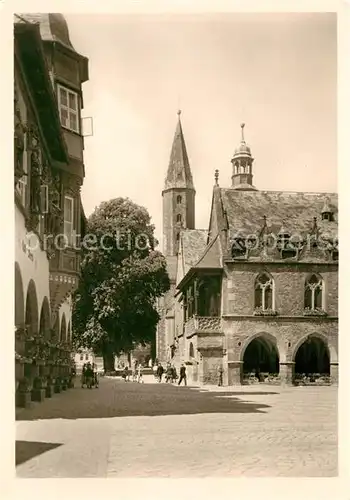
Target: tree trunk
pixel 108 362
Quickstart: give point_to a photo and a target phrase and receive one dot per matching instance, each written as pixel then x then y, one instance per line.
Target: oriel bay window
pixel 203 297
pixel 69 108
pixel 69 220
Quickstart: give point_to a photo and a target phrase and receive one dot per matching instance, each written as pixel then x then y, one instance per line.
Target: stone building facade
pixel 48 174
pixel 257 292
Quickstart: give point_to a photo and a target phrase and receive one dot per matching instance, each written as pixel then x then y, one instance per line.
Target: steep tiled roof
pixel 179 172
pixel 211 259
pixel 193 246
pixel 293 210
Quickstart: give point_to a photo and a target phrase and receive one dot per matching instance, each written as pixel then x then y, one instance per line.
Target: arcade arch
pixel 19 297
pixel 31 316
pixel 260 355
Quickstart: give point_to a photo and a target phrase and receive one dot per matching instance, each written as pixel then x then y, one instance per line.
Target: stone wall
pixel 211 360
pixel 289 280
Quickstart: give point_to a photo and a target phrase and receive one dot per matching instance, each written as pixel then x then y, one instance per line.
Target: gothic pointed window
pixel 179 199
pixel 313 297
pixel 264 299
pixel 178 218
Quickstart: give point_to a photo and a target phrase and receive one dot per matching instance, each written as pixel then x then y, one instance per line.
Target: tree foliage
pixel 121 277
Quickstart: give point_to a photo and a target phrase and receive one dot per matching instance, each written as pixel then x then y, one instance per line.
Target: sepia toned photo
pixel 176 245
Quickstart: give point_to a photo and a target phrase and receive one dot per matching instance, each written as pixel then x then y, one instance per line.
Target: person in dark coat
pixel 221 373
pixel 160 371
pixel 183 376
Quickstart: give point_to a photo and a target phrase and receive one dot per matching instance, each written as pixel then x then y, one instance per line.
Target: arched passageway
pixel 31 318
pixel 63 337
pixel 261 356
pixel 45 323
pixel 55 334
pixel 69 333
pixel 312 357
pixel 19 298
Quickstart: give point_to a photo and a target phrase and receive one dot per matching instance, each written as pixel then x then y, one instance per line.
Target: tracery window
pixel 264 289
pixel 313 293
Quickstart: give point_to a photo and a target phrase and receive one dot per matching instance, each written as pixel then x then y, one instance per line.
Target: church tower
pixel 178 195
pixel 242 163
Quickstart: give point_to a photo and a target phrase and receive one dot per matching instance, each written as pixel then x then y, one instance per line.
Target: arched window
pixel 177 236
pixel 191 350
pixel 264 292
pixel 179 199
pixel 178 218
pixel 313 293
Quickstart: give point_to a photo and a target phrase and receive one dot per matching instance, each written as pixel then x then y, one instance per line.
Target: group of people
pixel 89 375
pixel 170 373
pixel 137 375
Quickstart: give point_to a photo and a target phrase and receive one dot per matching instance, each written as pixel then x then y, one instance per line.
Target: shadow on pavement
pixel 119 399
pixel 25 450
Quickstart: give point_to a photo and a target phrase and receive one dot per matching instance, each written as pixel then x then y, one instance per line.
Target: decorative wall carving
pixel 19 133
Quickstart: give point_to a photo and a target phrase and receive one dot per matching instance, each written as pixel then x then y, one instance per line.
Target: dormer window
pixel 327 213
pixel 286 246
pixel 326 216
pixel 238 248
pixel 68 108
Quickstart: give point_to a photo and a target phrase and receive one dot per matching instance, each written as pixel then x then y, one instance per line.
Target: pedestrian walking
pixel 175 377
pixel 89 374
pixel 183 376
pixel 220 373
pixel 139 374
pixel 160 371
pixel 169 374
pixel 126 374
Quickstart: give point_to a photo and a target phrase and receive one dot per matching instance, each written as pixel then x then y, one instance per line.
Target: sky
pixel 276 72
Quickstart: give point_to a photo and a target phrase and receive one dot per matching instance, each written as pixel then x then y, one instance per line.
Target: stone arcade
pixel 49 171
pixel 256 292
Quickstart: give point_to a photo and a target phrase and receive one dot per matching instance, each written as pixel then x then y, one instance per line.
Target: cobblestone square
pixel 156 430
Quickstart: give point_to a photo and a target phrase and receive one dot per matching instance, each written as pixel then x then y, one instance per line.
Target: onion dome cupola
pixel 54 33
pixel 242 162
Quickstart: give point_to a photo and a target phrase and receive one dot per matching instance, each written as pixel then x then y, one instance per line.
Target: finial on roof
pixel 242 127
pixel 216 177
pixel 179 113
pixel 264 226
pixel 283 229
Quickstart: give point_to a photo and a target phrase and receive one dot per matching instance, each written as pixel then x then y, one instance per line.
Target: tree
pixel 122 275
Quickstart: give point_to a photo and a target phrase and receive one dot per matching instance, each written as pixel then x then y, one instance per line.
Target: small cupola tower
pixel 327 212
pixel 242 163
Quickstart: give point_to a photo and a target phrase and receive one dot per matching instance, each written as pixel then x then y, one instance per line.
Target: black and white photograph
pixel 175 245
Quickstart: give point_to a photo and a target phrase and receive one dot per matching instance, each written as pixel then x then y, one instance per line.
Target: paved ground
pixel 151 430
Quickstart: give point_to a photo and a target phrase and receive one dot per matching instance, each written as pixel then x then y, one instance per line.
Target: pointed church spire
pixel 179 172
